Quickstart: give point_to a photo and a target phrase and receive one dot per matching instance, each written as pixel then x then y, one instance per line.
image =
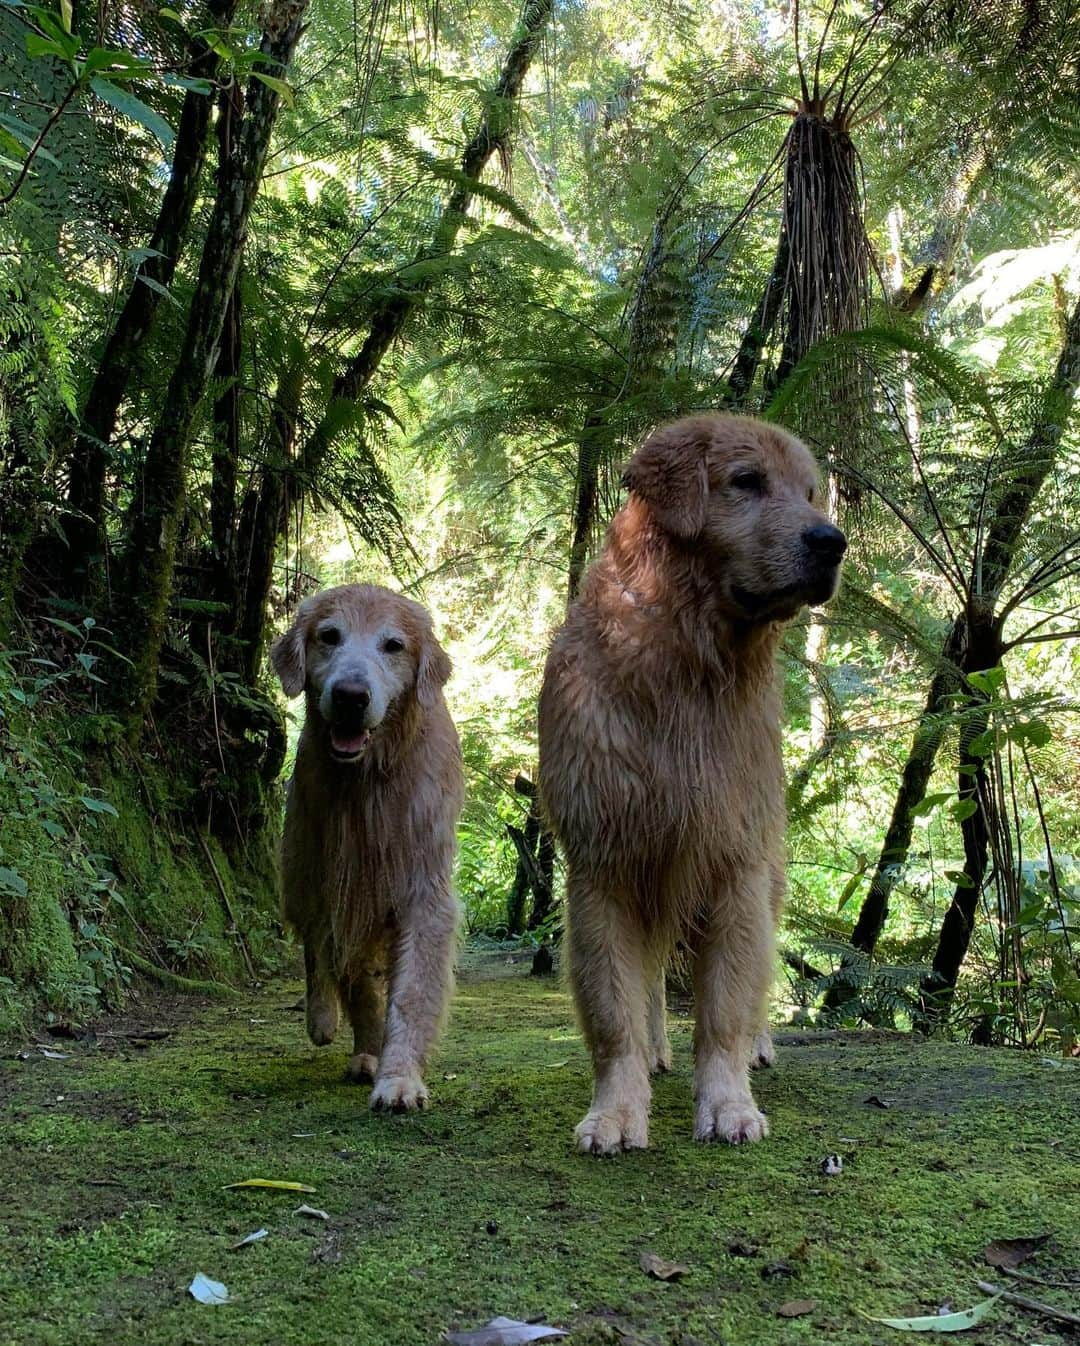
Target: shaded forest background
pixel 324 291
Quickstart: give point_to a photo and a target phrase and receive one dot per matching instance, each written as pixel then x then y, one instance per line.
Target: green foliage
pixel 604 277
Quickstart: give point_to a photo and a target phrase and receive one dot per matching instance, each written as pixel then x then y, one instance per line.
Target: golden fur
pixel 660 764
pixel 370 829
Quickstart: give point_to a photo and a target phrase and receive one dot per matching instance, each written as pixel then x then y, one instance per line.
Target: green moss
pixel 111 871
pixel 481 1207
pixel 37 947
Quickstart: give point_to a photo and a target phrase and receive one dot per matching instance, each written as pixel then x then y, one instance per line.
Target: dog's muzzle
pixel 350 734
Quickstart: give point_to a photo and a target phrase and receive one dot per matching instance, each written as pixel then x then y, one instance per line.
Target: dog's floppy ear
pixel 670 474
pixel 287 654
pixel 433 669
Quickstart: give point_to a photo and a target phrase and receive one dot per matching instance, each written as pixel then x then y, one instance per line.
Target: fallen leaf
pixel 303 1135
pixel 876 1102
pixel 207 1291
pixel 271 1183
pixel 743 1248
pixel 558 1065
pixel 311 1212
pixel 257 1237
pixel 773 1271
pixel 1010 1253
pixel 941 1322
pixel 504 1332
pixel 796 1308
pixel 660 1270
pixel 50 1055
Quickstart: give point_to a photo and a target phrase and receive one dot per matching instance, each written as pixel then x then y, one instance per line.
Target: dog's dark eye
pixel 391 645
pixel 749 480
pixel 330 635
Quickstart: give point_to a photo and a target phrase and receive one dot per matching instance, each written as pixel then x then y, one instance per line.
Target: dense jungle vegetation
pixel 310 292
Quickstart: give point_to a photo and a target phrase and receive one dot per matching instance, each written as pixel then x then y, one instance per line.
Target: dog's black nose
pixel 350 696
pixel 825 541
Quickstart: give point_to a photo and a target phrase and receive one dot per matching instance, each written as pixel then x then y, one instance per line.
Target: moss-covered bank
pixel 116 1159
pixel 107 874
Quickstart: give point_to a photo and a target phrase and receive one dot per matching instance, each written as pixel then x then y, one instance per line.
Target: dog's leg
pixel 421 962
pixel 321 1000
pixel 365 996
pixel 607 971
pixel 659 1046
pixel 732 970
pixel 762 1052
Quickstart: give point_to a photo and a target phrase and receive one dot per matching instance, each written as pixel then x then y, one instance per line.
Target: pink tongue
pixel 348 744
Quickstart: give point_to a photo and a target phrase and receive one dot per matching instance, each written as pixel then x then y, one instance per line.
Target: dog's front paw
pixel 736 1121
pixel 612 1132
pixel 322 1021
pixel 361 1068
pixel 660 1060
pixel 762 1053
pixel 399 1093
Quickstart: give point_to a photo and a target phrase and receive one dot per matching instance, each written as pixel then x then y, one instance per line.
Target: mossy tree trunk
pixel 152 546
pixel 88 457
pixel 225 466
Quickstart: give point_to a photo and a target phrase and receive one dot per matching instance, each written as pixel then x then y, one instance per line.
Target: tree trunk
pixel 84 523
pixel 152 547
pixel 393 312
pixel 748 359
pixel 586 491
pixel 525 878
pixel 265 514
pixel 918 769
pixel 224 465
pixel 544 895
pixel 992 564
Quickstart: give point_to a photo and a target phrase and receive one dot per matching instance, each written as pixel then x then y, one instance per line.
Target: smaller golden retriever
pixel 660 767
pixel 370 830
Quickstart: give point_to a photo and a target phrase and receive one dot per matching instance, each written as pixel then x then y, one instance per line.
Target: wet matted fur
pixel 370 829
pixel 660 765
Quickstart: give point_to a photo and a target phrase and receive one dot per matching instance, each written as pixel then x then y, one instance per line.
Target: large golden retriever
pixel 370 829
pixel 660 767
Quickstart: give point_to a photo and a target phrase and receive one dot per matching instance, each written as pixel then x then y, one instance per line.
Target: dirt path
pixel 114 1162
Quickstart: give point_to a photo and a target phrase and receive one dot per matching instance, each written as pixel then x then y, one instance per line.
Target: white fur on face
pixel 375 659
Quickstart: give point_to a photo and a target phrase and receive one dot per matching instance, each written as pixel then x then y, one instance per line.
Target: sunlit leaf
pixel 133 108
pixel 272 1184
pixel 505 1332
pixel 207 1291
pixel 941 1322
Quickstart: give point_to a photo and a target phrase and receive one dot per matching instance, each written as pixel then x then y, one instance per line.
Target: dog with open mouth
pixel 370 830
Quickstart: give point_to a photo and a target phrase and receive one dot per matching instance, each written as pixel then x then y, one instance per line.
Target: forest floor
pixel 116 1158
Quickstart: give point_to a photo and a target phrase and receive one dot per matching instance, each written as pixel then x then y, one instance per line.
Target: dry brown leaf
pixel 796 1308
pixel 1010 1253
pixel 660 1270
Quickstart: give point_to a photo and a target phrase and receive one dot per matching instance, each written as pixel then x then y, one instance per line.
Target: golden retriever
pixel 370 829
pixel 660 766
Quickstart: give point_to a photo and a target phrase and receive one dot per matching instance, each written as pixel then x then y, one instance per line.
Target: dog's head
pixel 745 496
pixel 360 652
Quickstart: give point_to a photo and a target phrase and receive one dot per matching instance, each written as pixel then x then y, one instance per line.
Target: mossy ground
pixel 115 1161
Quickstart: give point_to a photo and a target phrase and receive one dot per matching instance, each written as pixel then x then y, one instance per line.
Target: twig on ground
pixel 1034 1305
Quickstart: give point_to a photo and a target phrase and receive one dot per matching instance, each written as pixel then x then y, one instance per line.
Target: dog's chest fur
pixel 672 762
